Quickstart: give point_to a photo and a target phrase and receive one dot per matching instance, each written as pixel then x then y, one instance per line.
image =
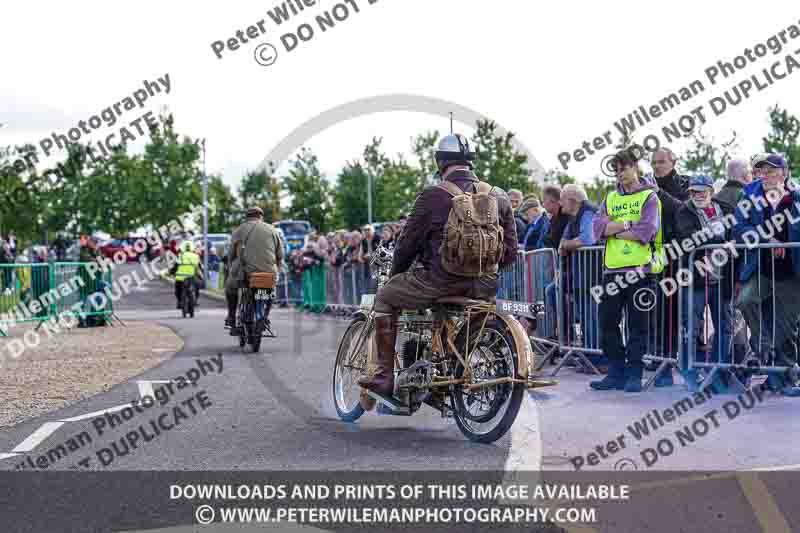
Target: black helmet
pixel 453 150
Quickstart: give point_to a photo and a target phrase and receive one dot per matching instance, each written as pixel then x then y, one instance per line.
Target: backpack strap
pixel 483 187
pixel 451 188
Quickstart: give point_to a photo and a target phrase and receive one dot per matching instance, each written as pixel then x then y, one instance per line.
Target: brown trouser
pixel 418 289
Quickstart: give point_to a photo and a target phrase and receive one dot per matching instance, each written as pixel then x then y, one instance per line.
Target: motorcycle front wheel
pixel 351 361
pixel 485 414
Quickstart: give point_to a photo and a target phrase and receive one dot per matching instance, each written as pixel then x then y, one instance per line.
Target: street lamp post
pixel 205 217
pixel 369 198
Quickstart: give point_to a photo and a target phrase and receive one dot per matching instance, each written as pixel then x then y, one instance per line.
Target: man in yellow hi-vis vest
pixel 188 267
pixel 630 221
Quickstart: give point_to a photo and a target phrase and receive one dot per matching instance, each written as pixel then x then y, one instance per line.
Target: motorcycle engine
pixel 417 376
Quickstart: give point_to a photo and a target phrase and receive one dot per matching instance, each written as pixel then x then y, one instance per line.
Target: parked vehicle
pixel 120 245
pixel 295 232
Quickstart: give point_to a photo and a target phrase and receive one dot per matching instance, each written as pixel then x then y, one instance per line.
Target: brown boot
pixel 382 381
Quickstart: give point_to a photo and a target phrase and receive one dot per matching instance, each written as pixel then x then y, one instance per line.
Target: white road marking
pixel 48 428
pixel 96 413
pixel 146 387
pixel 525 453
pixel 38 436
pixel 775 468
pixel 524 462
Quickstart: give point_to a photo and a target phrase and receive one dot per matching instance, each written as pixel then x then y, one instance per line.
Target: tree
pixel 349 196
pixel 783 137
pixel 395 184
pixel 20 204
pixel 708 158
pixel 261 188
pixel 424 147
pixel 599 188
pixel 223 211
pixel 498 162
pixel 310 192
pixel 171 173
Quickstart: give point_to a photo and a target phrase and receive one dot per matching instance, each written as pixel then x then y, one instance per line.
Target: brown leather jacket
pixel 423 232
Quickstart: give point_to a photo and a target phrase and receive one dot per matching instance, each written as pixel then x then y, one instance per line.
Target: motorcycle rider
pixel 187 268
pixel 422 237
pixel 255 247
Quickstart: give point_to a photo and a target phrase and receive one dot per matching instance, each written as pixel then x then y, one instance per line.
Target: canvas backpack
pixel 472 244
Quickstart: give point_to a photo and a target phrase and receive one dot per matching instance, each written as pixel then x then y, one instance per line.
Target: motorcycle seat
pixel 458 301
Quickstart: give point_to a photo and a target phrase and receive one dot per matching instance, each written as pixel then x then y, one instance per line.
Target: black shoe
pixel 178 305
pixel 633 384
pixel 608 383
pixel 229 322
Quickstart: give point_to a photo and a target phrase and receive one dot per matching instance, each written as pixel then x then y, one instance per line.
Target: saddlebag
pixel 261 280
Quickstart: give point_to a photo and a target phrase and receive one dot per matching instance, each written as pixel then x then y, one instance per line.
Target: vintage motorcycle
pixel 252 314
pixel 461 357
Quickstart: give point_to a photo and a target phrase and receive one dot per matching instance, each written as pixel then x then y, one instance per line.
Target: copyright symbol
pixel 644 300
pixel 204 514
pixel 609 165
pixel 265 54
pixel 626 464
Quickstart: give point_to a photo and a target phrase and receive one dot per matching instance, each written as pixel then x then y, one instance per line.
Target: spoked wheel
pixel 351 361
pixel 485 414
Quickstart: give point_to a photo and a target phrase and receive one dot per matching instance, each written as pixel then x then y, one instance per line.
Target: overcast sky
pixel 556 73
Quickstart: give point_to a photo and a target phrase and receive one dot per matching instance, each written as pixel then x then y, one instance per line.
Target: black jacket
pixel 521 227
pixel 730 192
pixel 424 230
pixel 688 225
pixel 557 225
pixel 670 207
pixel 677 185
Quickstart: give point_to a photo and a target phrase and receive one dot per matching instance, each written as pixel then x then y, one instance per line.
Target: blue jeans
pixel 721 317
pixel 551 309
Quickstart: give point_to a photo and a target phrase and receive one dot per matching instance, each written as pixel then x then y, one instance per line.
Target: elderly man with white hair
pixel 739 175
pixel 583 272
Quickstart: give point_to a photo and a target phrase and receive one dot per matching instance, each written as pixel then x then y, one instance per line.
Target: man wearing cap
pixel 704 215
pixel 536 224
pixel 768 213
pixel 759 165
pixel 255 247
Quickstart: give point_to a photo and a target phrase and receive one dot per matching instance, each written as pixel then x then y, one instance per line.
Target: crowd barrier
pixel 718 350
pixel 564 322
pixel 36 292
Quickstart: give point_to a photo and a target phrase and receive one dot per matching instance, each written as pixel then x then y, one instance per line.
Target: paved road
pixel 270 410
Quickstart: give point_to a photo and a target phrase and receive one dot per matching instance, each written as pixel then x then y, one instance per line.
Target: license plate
pixel 263 294
pixel 367 300
pixel 516 308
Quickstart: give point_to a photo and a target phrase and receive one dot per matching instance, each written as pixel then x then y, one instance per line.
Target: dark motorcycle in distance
pixel 252 315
